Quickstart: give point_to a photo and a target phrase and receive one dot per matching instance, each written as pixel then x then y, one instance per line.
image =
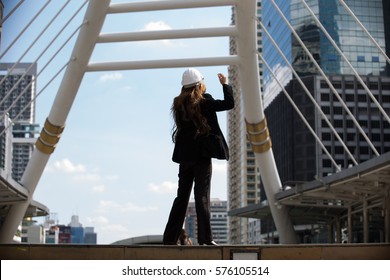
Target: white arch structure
pixel 246 59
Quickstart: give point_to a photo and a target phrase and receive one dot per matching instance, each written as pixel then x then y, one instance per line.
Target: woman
pixel 198 138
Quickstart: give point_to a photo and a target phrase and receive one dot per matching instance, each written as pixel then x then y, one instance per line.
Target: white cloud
pixel 126 89
pixel 111 77
pixel 88 177
pixel 100 220
pixel 115 228
pixel 156 25
pixel 106 206
pixel 107 230
pixel 67 166
pixel 79 173
pixel 164 187
pixel 98 189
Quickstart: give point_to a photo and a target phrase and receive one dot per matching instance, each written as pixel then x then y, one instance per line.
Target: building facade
pixel 90 236
pixel 17 95
pixel 306 160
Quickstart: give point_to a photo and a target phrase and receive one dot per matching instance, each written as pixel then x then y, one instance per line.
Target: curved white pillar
pixel 254 115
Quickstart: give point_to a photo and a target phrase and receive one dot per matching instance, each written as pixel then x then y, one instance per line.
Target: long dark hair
pixel 186 107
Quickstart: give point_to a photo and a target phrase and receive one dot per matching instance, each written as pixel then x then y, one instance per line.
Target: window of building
pixel 338 123
pixel 332 57
pixel 337 110
pixel 361 58
pixel 375 124
pixel 327 163
pixel 339 150
pixel 337 85
pixel 350 136
pixel 349 97
pixel 326 110
pixel 373 86
pixel 326 136
pixel 386 98
pixel 325 97
pixel 376 137
pixel 375 59
pixel 362 98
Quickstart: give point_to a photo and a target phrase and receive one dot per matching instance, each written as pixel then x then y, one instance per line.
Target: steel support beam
pixel 167 5
pixel 164 63
pixel 167 34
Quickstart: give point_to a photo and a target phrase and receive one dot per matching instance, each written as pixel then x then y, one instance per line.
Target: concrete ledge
pixel 265 252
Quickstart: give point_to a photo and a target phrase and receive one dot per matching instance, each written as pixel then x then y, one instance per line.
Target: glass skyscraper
pixel 307 160
pixel 346 33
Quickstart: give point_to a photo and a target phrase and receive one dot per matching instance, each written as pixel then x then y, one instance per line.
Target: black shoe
pixel 211 243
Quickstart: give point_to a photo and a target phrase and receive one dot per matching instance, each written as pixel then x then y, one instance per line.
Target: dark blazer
pixel 191 148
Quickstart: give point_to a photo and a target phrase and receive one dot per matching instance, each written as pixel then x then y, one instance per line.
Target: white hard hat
pixel 191 77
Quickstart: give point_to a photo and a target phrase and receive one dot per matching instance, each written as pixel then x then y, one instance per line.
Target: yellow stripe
pixel 261 148
pixel 258 138
pixel 44 148
pixel 53 129
pixel 49 139
pixel 258 135
pixel 255 128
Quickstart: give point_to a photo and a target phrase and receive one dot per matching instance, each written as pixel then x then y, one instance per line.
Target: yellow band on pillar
pixel 258 135
pixel 258 138
pixel 44 148
pixel 53 129
pixel 255 128
pixel 261 148
pixel 49 137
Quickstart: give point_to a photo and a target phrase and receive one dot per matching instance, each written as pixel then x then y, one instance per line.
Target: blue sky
pixel 112 166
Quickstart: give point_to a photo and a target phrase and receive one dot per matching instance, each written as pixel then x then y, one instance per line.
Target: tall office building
pixel 243 174
pixel 32 233
pixel 218 221
pixel 346 33
pixel 305 159
pixel 298 157
pixel 17 93
pixel 90 236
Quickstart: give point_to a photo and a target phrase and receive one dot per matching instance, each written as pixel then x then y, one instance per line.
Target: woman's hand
pixel 222 78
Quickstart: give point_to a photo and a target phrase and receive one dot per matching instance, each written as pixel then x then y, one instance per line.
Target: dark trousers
pixel 190 172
